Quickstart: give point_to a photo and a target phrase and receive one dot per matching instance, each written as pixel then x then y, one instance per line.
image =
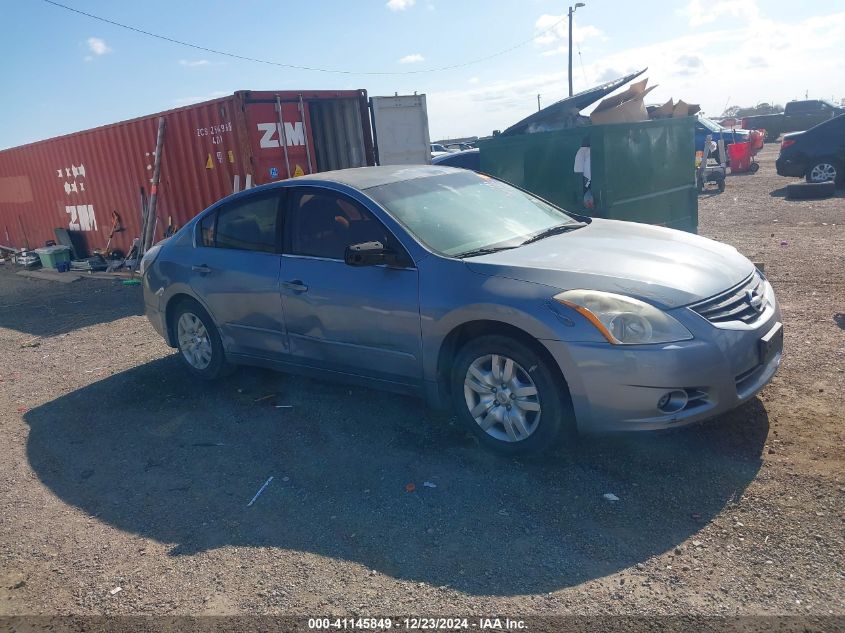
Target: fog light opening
pixel 672 401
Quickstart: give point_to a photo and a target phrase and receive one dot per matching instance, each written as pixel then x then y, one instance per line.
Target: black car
pixel 468 159
pixel 817 154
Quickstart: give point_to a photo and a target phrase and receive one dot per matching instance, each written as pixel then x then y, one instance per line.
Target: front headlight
pixel 623 320
pixel 768 292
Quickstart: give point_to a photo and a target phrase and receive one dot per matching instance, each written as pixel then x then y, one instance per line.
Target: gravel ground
pixel 118 470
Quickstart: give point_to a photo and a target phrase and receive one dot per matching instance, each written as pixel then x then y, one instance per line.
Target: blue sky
pixel 71 73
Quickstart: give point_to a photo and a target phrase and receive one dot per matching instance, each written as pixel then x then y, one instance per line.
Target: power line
pixel 298 66
pixel 583 72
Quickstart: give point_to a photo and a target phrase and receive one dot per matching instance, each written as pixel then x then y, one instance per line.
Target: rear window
pixel 206 230
pixel 803 106
pixel 249 225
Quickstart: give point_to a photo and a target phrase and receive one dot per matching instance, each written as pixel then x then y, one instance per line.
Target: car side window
pixel 249 225
pixel 323 223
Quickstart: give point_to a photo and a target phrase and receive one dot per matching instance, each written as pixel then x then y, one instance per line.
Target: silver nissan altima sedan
pixel 469 292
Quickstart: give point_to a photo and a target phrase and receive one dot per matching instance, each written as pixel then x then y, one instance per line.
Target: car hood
pixel 665 267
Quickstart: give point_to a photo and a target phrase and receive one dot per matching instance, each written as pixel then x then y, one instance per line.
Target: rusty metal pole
pixel 283 137
pixel 305 132
pixel 23 232
pixel 149 229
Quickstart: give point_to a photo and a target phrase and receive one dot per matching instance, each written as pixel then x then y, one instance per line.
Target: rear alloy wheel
pixel 199 342
pixel 507 395
pixel 194 342
pixel 824 171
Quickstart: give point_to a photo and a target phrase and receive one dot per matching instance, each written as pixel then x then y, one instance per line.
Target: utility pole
pixel 571 11
pixel 538 103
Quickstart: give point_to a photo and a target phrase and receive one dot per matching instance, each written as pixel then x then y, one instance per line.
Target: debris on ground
pixel 260 490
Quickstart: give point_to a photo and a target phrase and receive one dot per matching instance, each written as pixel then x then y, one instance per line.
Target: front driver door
pixel 359 320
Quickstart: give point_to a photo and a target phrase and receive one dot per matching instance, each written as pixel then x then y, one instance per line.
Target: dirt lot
pixel 118 470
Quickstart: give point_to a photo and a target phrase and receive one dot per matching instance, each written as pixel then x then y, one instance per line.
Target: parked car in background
pixel 458 147
pixel 796 115
pixel 438 150
pixel 468 159
pixel 705 126
pixel 817 154
pixel 458 287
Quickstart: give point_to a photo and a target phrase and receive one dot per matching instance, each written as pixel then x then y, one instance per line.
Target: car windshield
pixel 711 125
pixel 464 212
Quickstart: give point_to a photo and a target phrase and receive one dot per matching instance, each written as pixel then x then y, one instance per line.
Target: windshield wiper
pixel 484 251
pixel 555 230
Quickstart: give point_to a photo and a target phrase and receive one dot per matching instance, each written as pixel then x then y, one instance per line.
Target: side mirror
pixel 370 254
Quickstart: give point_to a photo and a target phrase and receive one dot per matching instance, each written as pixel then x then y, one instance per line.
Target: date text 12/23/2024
pixel 417 624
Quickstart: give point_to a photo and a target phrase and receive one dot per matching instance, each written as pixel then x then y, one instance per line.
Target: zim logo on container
pixel 294 133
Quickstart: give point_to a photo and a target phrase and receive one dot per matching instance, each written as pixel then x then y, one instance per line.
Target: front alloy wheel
pixel 502 398
pixel 510 395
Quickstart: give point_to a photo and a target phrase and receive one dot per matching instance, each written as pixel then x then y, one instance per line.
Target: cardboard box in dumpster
pixel 626 107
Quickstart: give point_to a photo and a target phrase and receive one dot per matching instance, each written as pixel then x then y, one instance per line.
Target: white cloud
pixel 412 59
pixel 183 101
pixel 399 5
pixel 194 63
pixel 474 80
pixel 555 28
pixel 98 46
pixel 700 12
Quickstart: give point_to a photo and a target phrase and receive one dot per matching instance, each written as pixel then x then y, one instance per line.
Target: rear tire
pixel 508 396
pixel 198 341
pixel 825 170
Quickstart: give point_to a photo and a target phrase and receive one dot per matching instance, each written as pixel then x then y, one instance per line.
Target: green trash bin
pixel 52 255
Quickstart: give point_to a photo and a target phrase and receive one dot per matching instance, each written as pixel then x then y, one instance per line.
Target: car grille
pixel 743 303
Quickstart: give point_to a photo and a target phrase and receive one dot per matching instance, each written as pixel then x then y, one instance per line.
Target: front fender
pixel 452 295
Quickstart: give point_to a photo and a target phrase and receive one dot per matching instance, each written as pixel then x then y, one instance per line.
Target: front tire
pixel 198 341
pixel 508 396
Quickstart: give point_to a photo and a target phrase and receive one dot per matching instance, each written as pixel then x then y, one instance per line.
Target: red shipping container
pixel 210 149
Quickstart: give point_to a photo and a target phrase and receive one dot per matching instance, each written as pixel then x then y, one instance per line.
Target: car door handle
pixel 201 268
pixel 296 285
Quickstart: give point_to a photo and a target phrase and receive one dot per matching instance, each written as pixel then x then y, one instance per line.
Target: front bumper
pixel 617 388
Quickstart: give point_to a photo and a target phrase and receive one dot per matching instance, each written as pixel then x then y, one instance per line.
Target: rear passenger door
pixel 235 271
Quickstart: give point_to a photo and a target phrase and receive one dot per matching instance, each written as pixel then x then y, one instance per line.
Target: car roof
pixel 366 177
pixel 446 157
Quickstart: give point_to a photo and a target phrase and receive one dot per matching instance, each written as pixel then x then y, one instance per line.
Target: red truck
pixel 209 150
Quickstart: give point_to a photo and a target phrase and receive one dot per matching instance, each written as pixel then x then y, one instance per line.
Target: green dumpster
pixel 52 255
pixel 641 172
